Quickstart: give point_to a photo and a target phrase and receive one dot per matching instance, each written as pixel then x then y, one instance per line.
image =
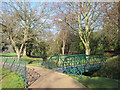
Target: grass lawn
pixel 7 54
pixel 30 58
pixel 11 79
pixel 32 61
pixel 97 82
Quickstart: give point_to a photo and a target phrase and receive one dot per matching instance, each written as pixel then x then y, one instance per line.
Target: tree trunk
pixel 63 48
pixel 63 51
pixel 18 51
pixel 29 53
pixel 18 54
pixel 87 48
pixel 25 51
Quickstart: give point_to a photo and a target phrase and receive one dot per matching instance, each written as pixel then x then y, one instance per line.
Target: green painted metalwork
pixel 18 66
pixel 25 74
pixel 15 65
pixel 12 64
pixel 56 61
pixel 77 63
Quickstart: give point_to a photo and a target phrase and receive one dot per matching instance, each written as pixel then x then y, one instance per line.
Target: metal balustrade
pixel 15 65
pixel 29 75
pixel 75 64
pixel 56 61
pixel 79 64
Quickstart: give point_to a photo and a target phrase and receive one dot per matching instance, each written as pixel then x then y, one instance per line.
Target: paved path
pixel 52 79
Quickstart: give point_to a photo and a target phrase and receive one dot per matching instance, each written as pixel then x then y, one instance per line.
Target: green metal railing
pixel 82 63
pixel 15 65
pixel 56 61
pixel 77 63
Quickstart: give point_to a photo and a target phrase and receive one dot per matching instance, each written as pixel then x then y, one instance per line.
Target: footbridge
pixel 75 64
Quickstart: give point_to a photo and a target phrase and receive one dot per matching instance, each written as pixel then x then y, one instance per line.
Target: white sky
pixel 60 0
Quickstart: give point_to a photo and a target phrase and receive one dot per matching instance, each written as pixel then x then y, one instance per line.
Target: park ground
pixel 87 81
pixel 10 79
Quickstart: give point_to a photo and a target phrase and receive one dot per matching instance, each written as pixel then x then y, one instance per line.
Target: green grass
pixel 4 72
pixel 28 59
pixel 25 58
pixel 11 79
pixel 97 82
pixel 7 54
pixel 110 69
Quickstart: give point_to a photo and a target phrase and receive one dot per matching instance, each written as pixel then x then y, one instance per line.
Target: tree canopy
pixel 48 28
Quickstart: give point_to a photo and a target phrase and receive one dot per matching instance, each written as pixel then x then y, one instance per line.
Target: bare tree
pixel 22 21
pixel 83 17
pixel 113 14
pixel 111 24
pixel 63 36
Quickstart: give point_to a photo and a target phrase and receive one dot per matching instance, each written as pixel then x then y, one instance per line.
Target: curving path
pixel 52 79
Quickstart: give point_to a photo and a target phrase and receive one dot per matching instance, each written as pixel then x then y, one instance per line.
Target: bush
pixel 110 69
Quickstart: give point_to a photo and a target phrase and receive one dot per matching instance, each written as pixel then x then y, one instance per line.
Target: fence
pixel 81 63
pixel 56 61
pixel 15 65
pixel 76 64
pixel 29 75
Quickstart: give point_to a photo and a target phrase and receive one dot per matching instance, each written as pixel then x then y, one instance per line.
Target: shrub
pixel 110 69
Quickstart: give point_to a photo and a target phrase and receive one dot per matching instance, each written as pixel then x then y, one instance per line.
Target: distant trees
pixel 107 38
pixel 111 27
pixel 64 35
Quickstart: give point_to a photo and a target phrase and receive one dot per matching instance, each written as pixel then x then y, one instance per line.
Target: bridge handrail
pixel 57 60
pixel 84 59
pixel 15 65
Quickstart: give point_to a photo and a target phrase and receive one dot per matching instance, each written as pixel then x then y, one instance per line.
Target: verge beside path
pixel 52 79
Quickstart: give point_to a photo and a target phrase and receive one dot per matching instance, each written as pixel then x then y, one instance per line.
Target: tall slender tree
pixel 82 17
